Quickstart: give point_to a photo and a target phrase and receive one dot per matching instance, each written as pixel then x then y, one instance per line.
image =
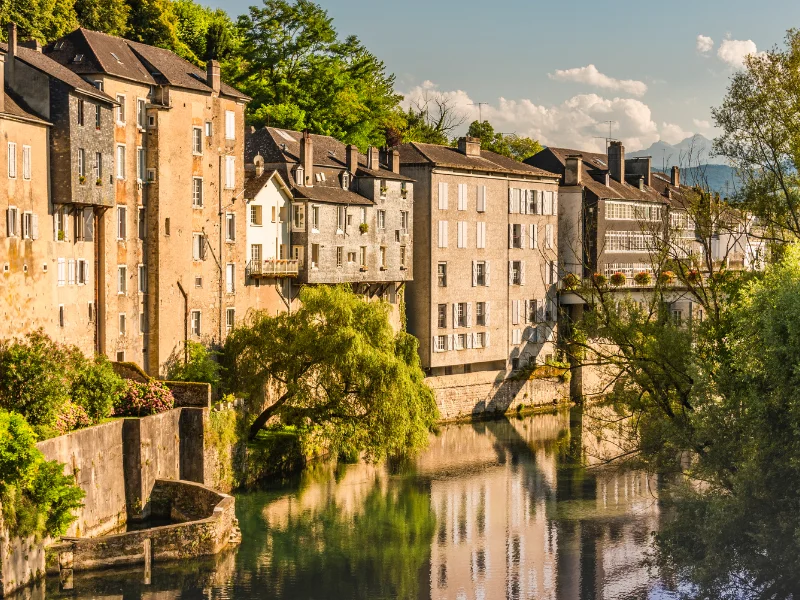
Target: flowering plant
pixel 142 399
pixel 618 279
pixel 694 277
pixel 600 279
pixel 666 277
pixel 571 281
pixel 642 278
pixel 71 416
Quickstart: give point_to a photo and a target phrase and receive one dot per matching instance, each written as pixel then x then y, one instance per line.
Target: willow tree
pixel 339 369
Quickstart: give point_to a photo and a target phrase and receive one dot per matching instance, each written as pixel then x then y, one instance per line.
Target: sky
pixel 557 71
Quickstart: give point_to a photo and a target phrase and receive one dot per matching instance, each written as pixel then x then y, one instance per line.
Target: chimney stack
pixel 2 83
pixel 212 75
pixel 469 146
pixel 616 161
pixel 352 159
pixel 640 166
pixel 373 158
pixel 12 54
pixel 394 161
pixel 307 158
pixel 675 177
pixel 258 161
pixel 33 44
pixel 573 173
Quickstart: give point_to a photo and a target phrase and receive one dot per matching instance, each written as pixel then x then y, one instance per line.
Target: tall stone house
pixel 484 295
pixel 351 214
pixel 58 185
pixel 171 255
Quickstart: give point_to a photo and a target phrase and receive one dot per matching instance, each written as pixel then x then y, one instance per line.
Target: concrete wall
pixel 21 561
pixel 487 392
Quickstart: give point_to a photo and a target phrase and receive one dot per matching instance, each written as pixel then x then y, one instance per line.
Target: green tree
pixel 155 22
pixel 340 371
pixel 510 145
pixel 44 20
pixel 292 58
pixel 108 16
pixel 94 385
pixel 194 363
pixel 36 497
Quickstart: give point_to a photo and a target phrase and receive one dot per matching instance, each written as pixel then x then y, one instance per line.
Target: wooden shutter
pixel 510 200
pixel 450 339
pixel 523 204
pixel 525 311
pixel 532 235
pixel 510 236
pixel 88 224
pixel 510 272
pixel 474 274
pixel 442 195
pixel 486 268
pixel 455 316
pixel 514 312
pixel 486 340
pixel 469 314
pixel 65 215
pixel 522 272
pixel 9 225
pixel 34 227
pixel 555 203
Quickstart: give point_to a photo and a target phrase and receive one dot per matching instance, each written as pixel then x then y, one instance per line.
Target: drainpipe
pixel 185 322
pixel 221 257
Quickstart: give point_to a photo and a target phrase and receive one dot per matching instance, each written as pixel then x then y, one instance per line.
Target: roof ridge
pixel 103 66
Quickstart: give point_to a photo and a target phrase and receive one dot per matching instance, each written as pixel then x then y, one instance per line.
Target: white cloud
pixel 591 76
pixel 672 133
pixel 701 123
pixel 704 44
pixel 733 52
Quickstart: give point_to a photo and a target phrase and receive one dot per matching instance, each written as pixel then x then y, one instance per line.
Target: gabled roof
pixel 53 69
pixel 253 185
pixel 661 182
pixel 415 153
pixel 92 52
pixel 15 108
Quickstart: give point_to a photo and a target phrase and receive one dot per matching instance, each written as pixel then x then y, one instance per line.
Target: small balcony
pixel 273 267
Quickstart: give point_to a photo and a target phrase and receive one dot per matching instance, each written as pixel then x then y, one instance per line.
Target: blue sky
pixel 530 60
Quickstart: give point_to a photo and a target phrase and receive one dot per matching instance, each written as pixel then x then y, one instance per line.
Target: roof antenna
pixel 609 139
pixel 480 112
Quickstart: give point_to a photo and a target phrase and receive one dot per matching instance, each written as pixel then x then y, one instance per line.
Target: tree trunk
pixel 265 416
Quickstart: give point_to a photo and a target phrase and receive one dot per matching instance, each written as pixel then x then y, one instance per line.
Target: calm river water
pixel 494 510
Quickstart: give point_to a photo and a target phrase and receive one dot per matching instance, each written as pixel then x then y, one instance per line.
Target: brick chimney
pixel 212 75
pixel 12 53
pixel 573 171
pixel 394 161
pixel 675 177
pixel 373 158
pixel 33 44
pixel 640 166
pixel 2 83
pixel 307 158
pixel 469 146
pixel 616 161
pixel 352 158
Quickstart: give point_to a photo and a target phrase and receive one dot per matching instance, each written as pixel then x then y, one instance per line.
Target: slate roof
pixel 16 108
pixel 102 53
pixel 50 67
pixel 415 153
pixel 253 185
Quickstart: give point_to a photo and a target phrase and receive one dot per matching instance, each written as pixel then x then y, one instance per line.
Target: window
pixel 515 233
pixel 339 255
pixel 677 316
pixel 480 340
pixel 462 234
pixel 97 119
pixel 141 221
pixel 98 166
pixel 383 257
pixel 480 234
pixel 166 226
pixel 197 140
pixel 314 256
pixel 255 253
pixel 442 195
pixel 315 218
pixel 480 273
pixel 351 257
pixel 363 256
pixel 404 221
pixel 209 130
pixel 256 215
pixel 122 227
pixel 299 176
pixel 548 234
pixel 141 113
pixel 81 162
pixel 80 112
pixel 71 271
pixel 629 241
pixel 381 219
pixel 274 214
pixel 363 215
pixel 197 192
pixel 26 162
pixel 230 227
pixel 196 325
pixel 481 204
pixel 341 216
pixel 534 236
pixel 298 217
pixel 61 317
pixel 121 356
pixel 440 344
pixel 461 314
pixel 515 272
pixel 140 165
pixel 480 314
pixel 83 272
pixel 121 109
pixel 60 224
pixel 122 280
pixel 230 278
pixel 12 220
pixel 402 257
pixel 91 312
pixel 62 272
pixel 30 226
pixel 633 211
pixel 230 172
pixel 442 272
pixel 230 125
pixel 12 160
pixel 442 316
pixel 461 341
pixel 142 276
pixel 120 161
pixel 462 196
pixel 442 234
pixel 198 246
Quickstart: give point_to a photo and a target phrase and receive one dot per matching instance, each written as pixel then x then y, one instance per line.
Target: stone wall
pixel 20 561
pixel 487 392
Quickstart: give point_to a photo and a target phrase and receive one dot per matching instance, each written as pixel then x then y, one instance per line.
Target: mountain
pixel 692 151
pixel 718 178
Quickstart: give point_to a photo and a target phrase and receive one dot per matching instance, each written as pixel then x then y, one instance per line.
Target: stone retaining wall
pixel 488 392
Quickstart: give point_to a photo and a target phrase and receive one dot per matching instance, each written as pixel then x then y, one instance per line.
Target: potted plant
pixel 694 277
pixel 98 182
pixel 599 279
pixel 363 228
pixel 642 278
pixel 618 279
pixel 82 179
pixel 384 189
pixel 60 235
pixel 571 281
pixel 666 277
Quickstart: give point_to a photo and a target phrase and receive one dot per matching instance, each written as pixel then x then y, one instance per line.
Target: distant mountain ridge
pixel 691 152
pixel 719 178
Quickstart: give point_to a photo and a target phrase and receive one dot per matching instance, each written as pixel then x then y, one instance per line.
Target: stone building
pixel 485 290
pixel 59 155
pixel 351 214
pixel 172 264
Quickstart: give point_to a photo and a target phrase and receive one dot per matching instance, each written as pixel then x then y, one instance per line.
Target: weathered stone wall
pixel 186 394
pixel 488 392
pixel 20 561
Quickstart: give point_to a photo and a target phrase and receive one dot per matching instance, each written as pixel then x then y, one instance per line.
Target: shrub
pixel 599 279
pixel 571 281
pixel 71 416
pixel 142 399
pixel 95 386
pixel 201 366
pixel 618 279
pixel 643 278
pixel 363 228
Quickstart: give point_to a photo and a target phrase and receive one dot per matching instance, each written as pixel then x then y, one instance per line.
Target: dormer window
pixel 78 58
pixel 346 180
pixel 299 176
pixel 116 57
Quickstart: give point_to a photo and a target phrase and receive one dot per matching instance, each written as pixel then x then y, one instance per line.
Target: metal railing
pixel 273 267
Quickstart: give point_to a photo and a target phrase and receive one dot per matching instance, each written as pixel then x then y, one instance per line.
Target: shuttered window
pixel 230 172
pixel 26 162
pixel 442 234
pixel 12 160
pixel 230 125
pixel 481 204
pixel 443 195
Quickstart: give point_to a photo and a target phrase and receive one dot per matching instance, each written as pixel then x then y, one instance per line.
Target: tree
pixel 43 20
pixel 194 363
pixel 108 16
pixel 155 22
pixel 300 74
pixel 510 145
pixel 760 122
pixel 337 368
pixel 431 119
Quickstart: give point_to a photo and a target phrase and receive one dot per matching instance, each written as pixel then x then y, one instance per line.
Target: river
pixel 492 510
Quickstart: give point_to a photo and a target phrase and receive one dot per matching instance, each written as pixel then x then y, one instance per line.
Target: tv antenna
pixel 480 112
pixel 608 139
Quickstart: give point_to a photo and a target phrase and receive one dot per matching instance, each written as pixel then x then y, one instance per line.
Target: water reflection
pixel 502 509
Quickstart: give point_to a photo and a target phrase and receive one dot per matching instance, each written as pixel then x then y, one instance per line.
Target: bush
pixel 142 399
pixel 36 497
pixel 201 367
pixel 571 281
pixel 618 279
pixel 95 386
pixel 694 277
pixel 666 277
pixel 71 416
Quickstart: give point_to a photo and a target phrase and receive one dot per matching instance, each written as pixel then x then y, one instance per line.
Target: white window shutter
pixel 555 271
pixel 523 204
pixel 532 235
pixel 525 312
pixel 486 339
pixel 66 224
pixel 471 340
pixel 450 340
pixel 455 316
pixel 555 203
pixel 510 200
pixel 469 314
pixel 35 226
pixel 510 273
pixel 540 194
pixel 435 346
pixel 474 274
pixel 55 224
pixel 486 313
pixel 510 236
pixel 522 272
pixel 514 312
